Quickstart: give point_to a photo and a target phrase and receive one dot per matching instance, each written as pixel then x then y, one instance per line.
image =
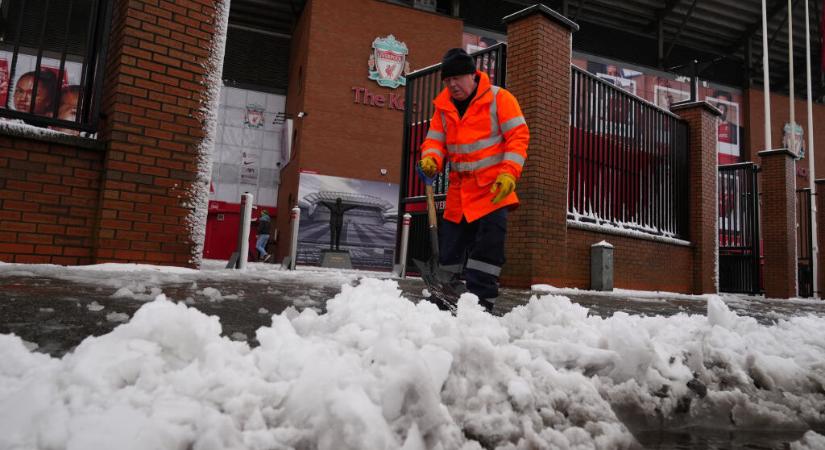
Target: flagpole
pixel 766 86
pixel 810 153
pixel 792 110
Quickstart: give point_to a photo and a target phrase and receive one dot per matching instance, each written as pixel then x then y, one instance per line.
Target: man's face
pixel 68 106
pixel 723 107
pixel 460 86
pixel 23 96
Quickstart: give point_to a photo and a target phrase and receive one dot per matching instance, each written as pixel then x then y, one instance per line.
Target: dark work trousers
pixel 478 247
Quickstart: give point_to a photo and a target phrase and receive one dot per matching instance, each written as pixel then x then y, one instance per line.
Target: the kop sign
pixel 388 66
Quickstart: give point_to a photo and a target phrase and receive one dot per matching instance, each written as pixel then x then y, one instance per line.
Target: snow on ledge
pixel 623 293
pixel 18 128
pixel 612 229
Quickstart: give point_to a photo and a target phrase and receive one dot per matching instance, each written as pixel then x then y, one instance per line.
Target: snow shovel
pixel 443 293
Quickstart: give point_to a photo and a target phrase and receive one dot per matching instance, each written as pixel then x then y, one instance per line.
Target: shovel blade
pixel 438 283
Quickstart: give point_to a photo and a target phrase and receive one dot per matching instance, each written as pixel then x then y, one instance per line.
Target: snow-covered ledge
pixel 24 130
pixel 614 230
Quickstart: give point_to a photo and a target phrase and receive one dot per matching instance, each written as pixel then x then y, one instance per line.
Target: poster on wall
pixel 56 90
pixel 248 153
pixel 665 94
pixel 369 220
pixel 665 89
pixel 727 136
pixel 615 75
pixel 473 42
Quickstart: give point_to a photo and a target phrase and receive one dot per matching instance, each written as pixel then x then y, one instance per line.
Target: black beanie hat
pixel 456 62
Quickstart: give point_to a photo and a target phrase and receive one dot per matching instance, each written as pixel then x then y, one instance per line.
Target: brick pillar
pixel 704 234
pixel 538 74
pixel 779 222
pixel 820 236
pixel 162 73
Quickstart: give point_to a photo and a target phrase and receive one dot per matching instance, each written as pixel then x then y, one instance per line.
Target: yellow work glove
pixel 428 166
pixel 504 185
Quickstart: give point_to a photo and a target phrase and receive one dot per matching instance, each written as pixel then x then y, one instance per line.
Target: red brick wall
pixel 48 201
pixel 340 137
pixel 330 49
pixel 778 223
pixel 153 95
pixel 538 74
pixel 290 171
pixel 637 263
pixel 130 195
pixel 702 120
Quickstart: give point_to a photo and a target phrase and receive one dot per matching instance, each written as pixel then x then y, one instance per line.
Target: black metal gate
pixel 804 243
pixel 739 243
pixel 422 88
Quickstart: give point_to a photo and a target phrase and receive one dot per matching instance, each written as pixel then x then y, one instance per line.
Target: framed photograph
pixel 369 221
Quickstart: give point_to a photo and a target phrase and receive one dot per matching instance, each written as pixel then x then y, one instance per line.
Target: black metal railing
pixel 628 160
pixel 804 243
pixel 739 241
pixel 422 87
pixel 51 62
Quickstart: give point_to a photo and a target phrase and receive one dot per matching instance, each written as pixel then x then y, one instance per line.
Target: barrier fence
pixel 628 162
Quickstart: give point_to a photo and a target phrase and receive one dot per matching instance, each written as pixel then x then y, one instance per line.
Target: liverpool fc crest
pixel 388 63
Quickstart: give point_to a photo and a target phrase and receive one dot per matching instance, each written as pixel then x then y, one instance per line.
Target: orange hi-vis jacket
pixel 489 139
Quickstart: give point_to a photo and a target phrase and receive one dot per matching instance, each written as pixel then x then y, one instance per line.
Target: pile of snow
pixel 377 371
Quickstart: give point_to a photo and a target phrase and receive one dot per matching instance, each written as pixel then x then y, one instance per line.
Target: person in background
pixel 264 222
pixel 46 91
pixel 69 100
pixel 480 130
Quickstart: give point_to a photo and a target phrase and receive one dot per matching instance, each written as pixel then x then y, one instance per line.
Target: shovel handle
pixel 432 220
pixel 431 216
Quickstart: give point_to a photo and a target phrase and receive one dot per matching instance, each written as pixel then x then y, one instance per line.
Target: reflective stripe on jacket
pixel 489 139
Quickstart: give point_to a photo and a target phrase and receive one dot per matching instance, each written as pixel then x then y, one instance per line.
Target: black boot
pixel 488 304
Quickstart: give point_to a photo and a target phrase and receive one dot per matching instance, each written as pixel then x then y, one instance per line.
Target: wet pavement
pixel 57 313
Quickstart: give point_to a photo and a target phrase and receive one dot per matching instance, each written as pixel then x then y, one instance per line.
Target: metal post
pixel 766 87
pixel 405 237
pixel 791 94
pixel 694 81
pixel 293 246
pixel 810 155
pixel 243 230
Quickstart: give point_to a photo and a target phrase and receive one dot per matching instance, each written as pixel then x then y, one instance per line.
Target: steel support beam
pixel 579 9
pixel 681 28
pixel 661 14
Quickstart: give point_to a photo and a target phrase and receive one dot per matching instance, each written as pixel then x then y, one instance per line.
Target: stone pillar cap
pixel 776 152
pixel 689 104
pixel 603 244
pixel 545 11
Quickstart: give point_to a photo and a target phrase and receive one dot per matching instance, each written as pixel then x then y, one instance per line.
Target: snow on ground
pixel 377 371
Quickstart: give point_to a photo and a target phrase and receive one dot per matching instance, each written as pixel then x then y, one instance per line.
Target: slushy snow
pixel 376 371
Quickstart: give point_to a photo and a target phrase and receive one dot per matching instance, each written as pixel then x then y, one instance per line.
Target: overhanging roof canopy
pixel 273 17
pixel 723 36
pixel 257 47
